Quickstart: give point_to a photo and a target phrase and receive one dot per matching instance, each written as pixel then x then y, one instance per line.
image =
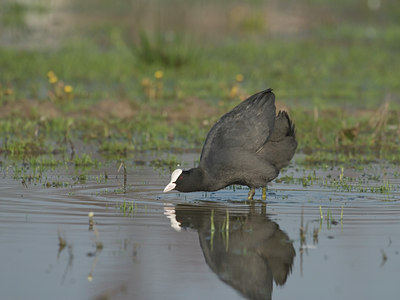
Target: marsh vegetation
pixel 98 103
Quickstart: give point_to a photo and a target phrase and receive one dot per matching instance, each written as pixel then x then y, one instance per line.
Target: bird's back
pixel 245 127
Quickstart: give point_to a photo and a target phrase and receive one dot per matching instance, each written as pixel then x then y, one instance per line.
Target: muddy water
pixel 198 245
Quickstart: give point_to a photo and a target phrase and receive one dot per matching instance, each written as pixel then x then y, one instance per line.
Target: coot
pixel 247 146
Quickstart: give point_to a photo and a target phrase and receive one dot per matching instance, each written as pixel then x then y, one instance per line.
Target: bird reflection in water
pixel 241 245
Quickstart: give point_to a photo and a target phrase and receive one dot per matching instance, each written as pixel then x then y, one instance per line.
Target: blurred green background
pixel 315 51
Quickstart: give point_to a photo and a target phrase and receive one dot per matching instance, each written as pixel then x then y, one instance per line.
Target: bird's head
pixel 185 181
pixel 176 178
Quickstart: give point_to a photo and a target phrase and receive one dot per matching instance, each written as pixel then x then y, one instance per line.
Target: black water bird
pixel 247 146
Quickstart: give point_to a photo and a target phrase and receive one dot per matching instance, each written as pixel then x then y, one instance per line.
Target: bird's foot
pixel 251 194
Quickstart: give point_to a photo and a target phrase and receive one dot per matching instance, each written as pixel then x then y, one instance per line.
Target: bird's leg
pixel 251 193
pixel 264 193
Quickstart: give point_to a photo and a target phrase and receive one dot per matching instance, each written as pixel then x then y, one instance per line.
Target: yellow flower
pixel 239 77
pixel 68 89
pixel 50 74
pixel 158 74
pixel 8 91
pixel 234 91
pixel 53 79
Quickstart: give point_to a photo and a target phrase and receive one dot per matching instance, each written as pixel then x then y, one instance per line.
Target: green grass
pixel 127 208
pixel 170 163
pixel 316 72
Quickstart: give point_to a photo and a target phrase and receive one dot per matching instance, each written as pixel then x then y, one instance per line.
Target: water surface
pixel 197 245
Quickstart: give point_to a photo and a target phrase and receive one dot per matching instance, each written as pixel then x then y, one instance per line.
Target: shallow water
pixel 176 246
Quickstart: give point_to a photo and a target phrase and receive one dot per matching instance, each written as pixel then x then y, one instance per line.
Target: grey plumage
pixel 247 146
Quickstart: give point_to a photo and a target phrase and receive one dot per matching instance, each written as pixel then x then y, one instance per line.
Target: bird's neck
pixel 200 181
pixel 196 178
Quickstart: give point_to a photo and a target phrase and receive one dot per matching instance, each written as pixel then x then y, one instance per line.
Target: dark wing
pixel 282 144
pixel 283 127
pixel 247 127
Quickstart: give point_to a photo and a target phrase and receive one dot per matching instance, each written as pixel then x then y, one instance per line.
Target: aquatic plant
pixel 127 207
pixel 85 160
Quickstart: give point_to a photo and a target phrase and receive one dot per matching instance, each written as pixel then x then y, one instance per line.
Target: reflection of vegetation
pixel 62 243
pixel 98 244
